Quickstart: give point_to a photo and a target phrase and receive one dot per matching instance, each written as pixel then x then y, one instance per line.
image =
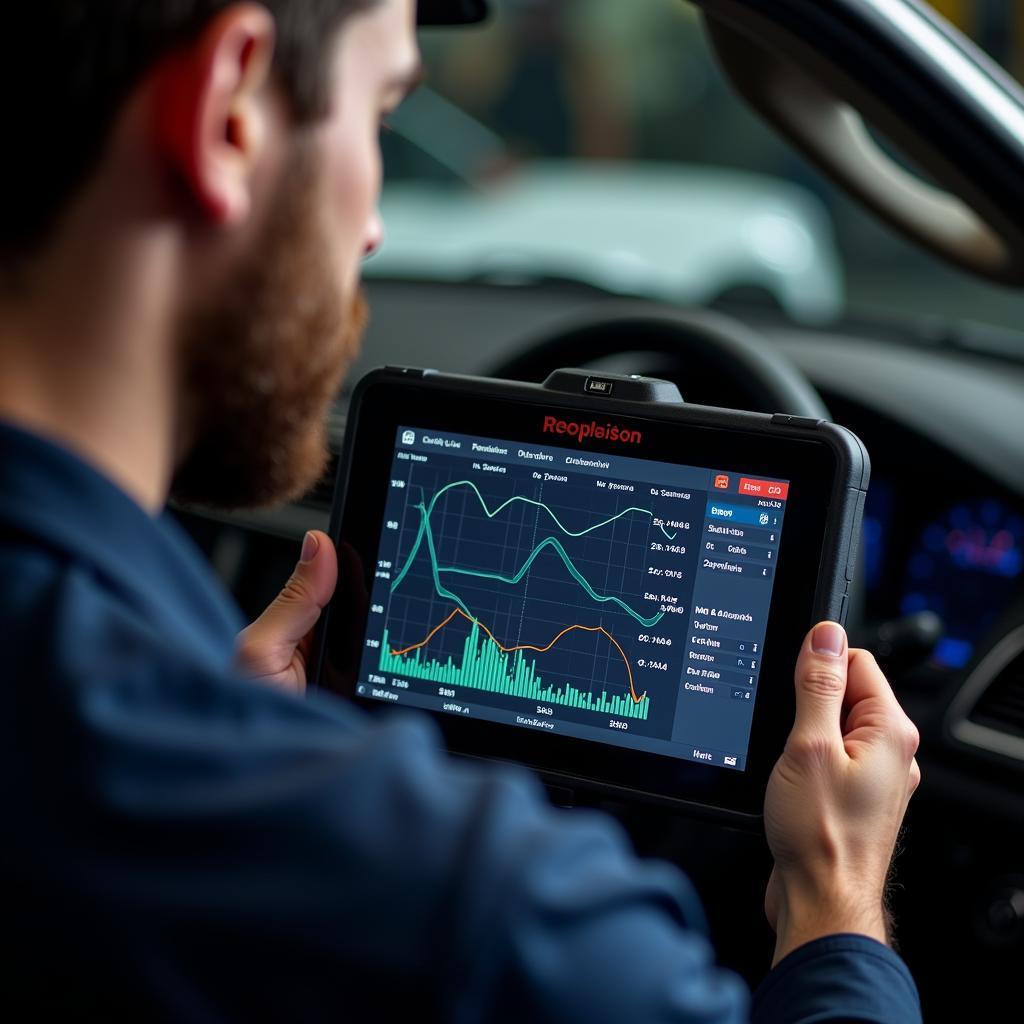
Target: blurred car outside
pixel 657 230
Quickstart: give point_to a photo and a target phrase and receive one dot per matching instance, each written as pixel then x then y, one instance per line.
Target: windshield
pixel 595 141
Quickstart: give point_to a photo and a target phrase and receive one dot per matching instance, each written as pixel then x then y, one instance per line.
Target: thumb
pixel 821 682
pixel 268 645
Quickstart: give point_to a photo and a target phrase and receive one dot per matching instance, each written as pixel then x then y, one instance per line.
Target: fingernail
pixel 828 638
pixel 310 546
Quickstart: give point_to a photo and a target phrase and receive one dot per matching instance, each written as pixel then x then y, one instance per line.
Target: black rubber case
pixel 816 559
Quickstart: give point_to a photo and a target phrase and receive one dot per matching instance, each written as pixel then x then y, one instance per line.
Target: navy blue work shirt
pixel 182 844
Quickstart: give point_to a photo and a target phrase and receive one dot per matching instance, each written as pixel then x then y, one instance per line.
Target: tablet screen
pixel 551 588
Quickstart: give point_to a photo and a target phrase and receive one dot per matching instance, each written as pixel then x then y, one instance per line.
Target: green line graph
pixel 425 532
pixel 573 571
pixel 492 513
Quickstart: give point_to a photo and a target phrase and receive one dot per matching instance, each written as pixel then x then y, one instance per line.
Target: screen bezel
pixel 669 435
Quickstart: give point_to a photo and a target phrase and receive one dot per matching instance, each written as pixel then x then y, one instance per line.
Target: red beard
pixel 264 360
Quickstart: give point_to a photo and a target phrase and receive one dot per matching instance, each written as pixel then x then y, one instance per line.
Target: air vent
pixel 988 712
pixel 1001 706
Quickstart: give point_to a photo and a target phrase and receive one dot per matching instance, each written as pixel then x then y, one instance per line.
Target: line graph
pixel 528 647
pixel 527 588
pixel 426 532
pixel 427 510
pixel 491 666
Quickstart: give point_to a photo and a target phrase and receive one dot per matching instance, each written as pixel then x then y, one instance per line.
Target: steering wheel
pixel 713 358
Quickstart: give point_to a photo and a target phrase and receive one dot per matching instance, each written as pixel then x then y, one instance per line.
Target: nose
pixel 374 235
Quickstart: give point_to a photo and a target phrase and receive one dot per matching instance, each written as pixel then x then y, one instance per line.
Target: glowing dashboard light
pixel 965 567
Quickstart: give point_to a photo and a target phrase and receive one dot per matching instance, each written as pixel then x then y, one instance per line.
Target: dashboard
pixel 939 536
pixel 944 529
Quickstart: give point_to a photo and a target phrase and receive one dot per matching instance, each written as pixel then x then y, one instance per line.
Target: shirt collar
pixel 54 498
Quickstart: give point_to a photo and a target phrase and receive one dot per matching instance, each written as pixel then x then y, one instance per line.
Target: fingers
pixel 871 701
pixel 772 899
pixel 316 574
pixel 268 645
pixel 866 680
pixel 914 779
pixel 821 682
pixel 295 610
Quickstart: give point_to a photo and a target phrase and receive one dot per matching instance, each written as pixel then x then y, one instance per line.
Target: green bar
pixel 484 666
pixel 484 658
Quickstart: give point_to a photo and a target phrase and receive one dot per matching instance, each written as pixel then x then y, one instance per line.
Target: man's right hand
pixel 837 796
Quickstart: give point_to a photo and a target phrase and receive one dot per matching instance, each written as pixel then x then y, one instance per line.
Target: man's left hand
pixel 275 648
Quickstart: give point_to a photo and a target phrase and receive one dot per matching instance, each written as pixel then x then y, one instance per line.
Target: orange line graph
pixel 527 647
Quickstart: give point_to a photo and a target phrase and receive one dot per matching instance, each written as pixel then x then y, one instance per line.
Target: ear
pixel 211 110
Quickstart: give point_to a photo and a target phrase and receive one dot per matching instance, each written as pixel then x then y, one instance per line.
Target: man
pixel 190 186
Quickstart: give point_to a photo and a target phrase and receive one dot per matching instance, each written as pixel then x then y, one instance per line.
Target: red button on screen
pixel 764 488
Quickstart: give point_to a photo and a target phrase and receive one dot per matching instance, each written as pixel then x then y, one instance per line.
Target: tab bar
pixel 747 515
pixel 764 488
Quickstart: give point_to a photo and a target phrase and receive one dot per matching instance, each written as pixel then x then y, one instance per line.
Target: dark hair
pixel 67 66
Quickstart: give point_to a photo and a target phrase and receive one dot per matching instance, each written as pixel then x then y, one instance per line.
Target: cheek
pixel 354 185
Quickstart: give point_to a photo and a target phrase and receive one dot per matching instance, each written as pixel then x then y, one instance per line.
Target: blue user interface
pixel 601 597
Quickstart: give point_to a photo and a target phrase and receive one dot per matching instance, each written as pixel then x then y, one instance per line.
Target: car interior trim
pixel 821 72
pixel 970 733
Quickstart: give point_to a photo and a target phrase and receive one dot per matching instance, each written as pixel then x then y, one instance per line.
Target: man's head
pixel 245 138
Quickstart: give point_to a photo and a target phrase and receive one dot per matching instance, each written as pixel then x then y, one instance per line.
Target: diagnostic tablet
pixel 588 577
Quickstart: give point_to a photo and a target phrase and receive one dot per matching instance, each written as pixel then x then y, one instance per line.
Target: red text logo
pixel 585 431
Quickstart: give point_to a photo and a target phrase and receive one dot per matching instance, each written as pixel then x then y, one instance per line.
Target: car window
pixel 596 142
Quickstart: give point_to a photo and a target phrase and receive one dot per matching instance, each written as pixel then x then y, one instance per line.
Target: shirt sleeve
pixel 275 858
pixel 259 856
pixel 564 923
pixel 838 978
